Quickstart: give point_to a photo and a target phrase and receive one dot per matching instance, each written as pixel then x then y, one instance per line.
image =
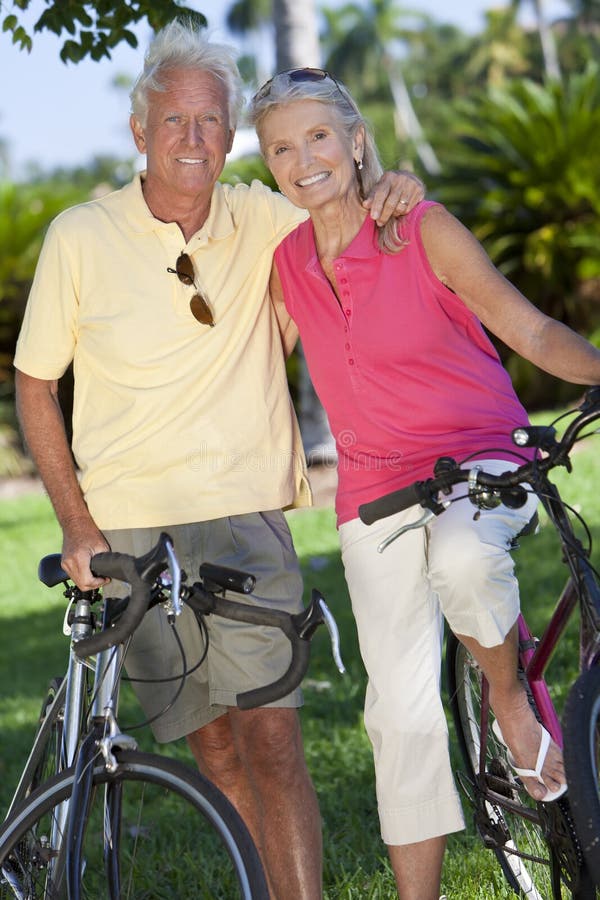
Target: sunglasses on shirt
pixel 184 269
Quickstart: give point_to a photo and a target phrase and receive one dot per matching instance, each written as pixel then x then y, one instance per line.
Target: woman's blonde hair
pixel 316 84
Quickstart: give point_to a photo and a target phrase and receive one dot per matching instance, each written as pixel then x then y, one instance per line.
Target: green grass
pixel 32 650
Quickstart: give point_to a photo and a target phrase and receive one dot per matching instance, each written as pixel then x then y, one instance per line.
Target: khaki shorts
pixel 239 656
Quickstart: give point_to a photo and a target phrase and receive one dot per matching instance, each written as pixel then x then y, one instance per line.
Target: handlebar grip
pixel 284 685
pixel 242 612
pixel 390 504
pixel 122 567
pixel 140 574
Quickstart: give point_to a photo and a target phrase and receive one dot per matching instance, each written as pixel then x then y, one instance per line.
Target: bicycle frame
pixel 70 699
pixel 535 655
pixel 581 590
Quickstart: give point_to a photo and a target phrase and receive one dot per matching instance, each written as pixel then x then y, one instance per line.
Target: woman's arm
pixel 460 262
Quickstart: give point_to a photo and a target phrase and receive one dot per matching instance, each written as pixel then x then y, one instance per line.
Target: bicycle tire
pixel 581 719
pixel 525 856
pixel 180 837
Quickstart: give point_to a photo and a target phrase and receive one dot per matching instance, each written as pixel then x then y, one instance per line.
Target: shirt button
pixel 347 346
pixel 348 312
pixel 350 362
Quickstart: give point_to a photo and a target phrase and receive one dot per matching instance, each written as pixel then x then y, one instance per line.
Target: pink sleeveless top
pixel 402 367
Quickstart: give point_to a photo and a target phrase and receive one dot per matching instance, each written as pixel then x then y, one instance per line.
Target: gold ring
pixel 404 202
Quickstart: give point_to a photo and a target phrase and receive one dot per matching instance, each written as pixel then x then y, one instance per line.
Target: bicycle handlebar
pixel 298 629
pixel 506 486
pixel 141 574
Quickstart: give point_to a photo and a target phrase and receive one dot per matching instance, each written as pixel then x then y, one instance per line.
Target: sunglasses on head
pixel 184 269
pixel 297 76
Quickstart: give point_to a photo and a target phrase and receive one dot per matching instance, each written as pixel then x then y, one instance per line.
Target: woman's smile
pixel 313 179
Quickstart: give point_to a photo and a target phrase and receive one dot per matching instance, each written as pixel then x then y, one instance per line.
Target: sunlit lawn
pixel 33 649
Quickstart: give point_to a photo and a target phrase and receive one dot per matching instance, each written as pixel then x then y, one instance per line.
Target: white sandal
pixel 539 763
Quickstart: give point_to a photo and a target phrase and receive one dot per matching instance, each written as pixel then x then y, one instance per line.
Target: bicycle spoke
pixel 509 821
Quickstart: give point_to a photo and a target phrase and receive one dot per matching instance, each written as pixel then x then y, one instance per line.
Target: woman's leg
pixel 472 570
pixel 399 627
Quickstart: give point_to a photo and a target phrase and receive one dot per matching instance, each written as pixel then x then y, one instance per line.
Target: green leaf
pixel 72 52
pixel 9 23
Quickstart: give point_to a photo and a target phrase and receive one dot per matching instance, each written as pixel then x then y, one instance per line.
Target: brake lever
pixel 334 635
pixel 427 516
pixel 318 613
pixel 174 607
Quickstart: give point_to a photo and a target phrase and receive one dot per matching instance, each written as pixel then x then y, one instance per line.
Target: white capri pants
pixel 459 568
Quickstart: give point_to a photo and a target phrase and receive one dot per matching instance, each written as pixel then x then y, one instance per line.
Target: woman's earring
pixel 359 164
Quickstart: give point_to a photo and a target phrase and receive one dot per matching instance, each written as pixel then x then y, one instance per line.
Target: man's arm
pixel 394 195
pixel 43 428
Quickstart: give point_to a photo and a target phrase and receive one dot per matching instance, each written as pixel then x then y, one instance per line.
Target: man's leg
pixel 256 758
pixel 418 868
pixel 519 726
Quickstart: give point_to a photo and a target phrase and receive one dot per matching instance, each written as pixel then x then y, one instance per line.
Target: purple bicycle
pixel 546 850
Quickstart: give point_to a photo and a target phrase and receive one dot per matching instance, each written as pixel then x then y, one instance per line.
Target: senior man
pixel 182 421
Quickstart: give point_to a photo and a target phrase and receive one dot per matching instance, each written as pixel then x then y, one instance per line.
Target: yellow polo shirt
pixel 173 421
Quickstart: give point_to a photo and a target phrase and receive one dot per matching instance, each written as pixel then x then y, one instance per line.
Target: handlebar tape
pixel 284 685
pixel 243 612
pixel 122 567
pixel 389 504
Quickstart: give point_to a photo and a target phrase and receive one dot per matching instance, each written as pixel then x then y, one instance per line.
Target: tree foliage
pixel 95 26
pixel 523 172
pixel 520 154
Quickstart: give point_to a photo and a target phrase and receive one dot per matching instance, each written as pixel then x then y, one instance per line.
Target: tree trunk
pixel 549 50
pixel 297 45
pixel 296 34
pixel 408 117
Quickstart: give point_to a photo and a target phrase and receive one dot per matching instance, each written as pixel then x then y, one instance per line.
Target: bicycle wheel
pixel 534 844
pixel 582 761
pixel 179 837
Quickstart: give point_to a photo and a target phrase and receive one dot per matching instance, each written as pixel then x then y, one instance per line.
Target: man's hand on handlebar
pixel 81 541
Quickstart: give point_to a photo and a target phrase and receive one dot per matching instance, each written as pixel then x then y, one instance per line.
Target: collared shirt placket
pixel 347 308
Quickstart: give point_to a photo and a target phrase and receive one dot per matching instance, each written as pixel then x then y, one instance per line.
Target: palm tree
pixel 296 34
pixel 369 43
pixel 551 64
pixel 297 45
pixel 501 49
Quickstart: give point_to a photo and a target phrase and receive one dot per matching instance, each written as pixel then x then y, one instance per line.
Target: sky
pixel 52 114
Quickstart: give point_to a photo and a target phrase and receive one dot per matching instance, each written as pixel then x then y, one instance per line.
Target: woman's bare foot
pixel 522 734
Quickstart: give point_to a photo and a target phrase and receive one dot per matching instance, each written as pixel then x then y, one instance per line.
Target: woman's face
pixel 309 155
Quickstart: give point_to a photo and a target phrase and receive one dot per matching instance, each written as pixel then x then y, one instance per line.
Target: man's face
pixel 187 134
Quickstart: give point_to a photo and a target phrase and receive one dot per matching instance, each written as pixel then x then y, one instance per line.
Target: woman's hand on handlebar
pixel 81 541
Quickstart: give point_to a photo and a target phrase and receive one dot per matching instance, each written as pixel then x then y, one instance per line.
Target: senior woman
pixel 391 324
